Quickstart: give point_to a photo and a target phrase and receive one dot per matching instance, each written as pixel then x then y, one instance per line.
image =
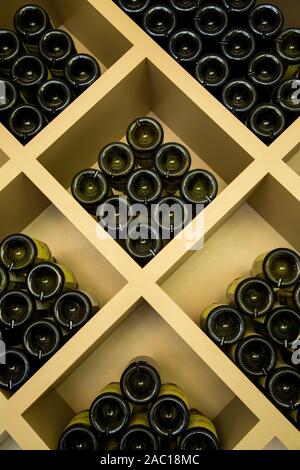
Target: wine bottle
pixel 199 187
pixel 265 21
pixel 237 45
pixel 139 436
pixel 169 412
pixel 144 186
pixel 31 23
pixel 265 71
pixel 79 434
pixel 267 122
pixel 287 46
pixel 42 338
pixel 18 252
pixel 117 161
pixel 16 309
pixel 25 122
pixel 286 97
pixel 47 280
pixel 29 73
pixel 283 387
pixel 134 8
pixel 255 355
pixel 212 71
pixel 11 280
pixel 185 46
pixel 114 216
pixel 159 21
pixel 252 296
pixel 55 48
pixel 143 244
pixel 73 309
pixel 9 99
pixel 81 71
pixel 10 49
pixel 185 9
pixel 110 412
pixel 240 97
pixel 53 97
pixel 169 216
pixel 280 267
pixel 90 188
pixel 16 371
pixel 224 324
pixel 283 326
pixel 145 135
pixel 238 10
pixel 290 297
pixel 211 21
pixel 140 381
pixel 201 434
pixel 172 161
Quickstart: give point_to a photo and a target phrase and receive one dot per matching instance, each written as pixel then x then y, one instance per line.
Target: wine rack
pixel 152 311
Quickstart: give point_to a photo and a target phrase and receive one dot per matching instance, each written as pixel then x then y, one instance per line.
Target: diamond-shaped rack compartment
pixel 257 209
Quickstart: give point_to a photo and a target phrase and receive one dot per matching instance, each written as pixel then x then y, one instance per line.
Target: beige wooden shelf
pixel 154 310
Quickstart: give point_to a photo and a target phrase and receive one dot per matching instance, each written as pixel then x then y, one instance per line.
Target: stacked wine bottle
pixel 140 414
pixel 40 308
pixel 239 51
pixel 147 172
pixel 41 72
pixel 259 328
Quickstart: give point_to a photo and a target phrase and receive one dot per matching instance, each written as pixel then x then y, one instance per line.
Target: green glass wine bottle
pixel 252 296
pixel 145 135
pixel 90 188
pixel 117 161
pixel 172 161
pixel 140 381
pixel 79 434
pixel 18 252
pixel 280 267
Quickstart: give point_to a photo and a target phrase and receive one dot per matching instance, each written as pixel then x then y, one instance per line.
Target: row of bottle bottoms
pixel 40 307
pixel 259 328
pixel 140 413
pixel 41 73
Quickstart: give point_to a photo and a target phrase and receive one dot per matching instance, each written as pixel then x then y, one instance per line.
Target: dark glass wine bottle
pixel 252 296
pixel 81 71
pixel 145 135
pixel 199 187
pixel 79 435
pixel 47 280
pixel 115 217
pixel 224 324
pixel 144 186
pixel 55 48
pixel 42 338
pixel 169 412
pixel 117 160
pixel 16 309
pixel 110 412
pixel 283 387
pixel 16 371
pixel 287 46
pixel 255 355
pixel 237 45
pixel 211 21
pixel 29 73
pixel 8 100
pixel 283 326
pixel 18 252
pixel 185 46
pixel 286 97
pixel 10 49
pixel 290 297
pixel 265 71
pixel 140 381
pixel 25 122
pixel 139 436
pixel 240 97
pixel 172 161
pixel 159 21
pixel 201 434
pixel 73 309
pixel 134 8
pixel 266 21
pixel 11 280
pixel 238 10
pixel 185 9
pixel 90 188
pixel 31 23
pixel 53 97
pixel 170 215
pixel 212 71
pixel 280 267
pixel 143 244
pixel 267 122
